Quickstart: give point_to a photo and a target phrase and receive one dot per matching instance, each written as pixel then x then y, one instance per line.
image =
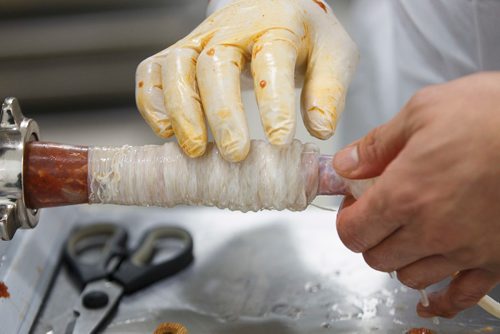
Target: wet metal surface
pixel 268 272
pixel 27 264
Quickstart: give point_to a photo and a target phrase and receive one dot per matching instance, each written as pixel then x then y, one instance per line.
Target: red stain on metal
pixel 321 4
pixel 141 84
pixel 420 331
pixel 262 83
pixel 4 291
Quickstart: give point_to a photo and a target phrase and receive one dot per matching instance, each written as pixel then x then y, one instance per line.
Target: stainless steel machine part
pixel 15 131
pixel 267 272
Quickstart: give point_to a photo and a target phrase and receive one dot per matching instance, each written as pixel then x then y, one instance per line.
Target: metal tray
pixel 266 272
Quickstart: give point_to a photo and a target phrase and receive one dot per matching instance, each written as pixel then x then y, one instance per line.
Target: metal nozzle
pixel 15 131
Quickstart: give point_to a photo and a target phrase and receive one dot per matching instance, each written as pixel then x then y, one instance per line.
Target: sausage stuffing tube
pixel 57 175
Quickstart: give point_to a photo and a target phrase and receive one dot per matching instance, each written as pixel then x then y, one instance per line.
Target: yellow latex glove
pixel 199 76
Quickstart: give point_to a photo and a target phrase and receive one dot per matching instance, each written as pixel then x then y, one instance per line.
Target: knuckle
pixel 422 97
pixel 180 53
pixel 417 108
pixel 411 280
pixel 206 56
pixel 369 148
pixel 403 202
pixel 286 36
pixel 347 234
pixel 143 64
pixel 433 240
pixel 380 207
pixel 175 52
pixel 377 261
pixel 466 258
pixel 437 238
pixel 465 299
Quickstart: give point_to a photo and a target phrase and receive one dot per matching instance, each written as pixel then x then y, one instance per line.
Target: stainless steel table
pixel 267 272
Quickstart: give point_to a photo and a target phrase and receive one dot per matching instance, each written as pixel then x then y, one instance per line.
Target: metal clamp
pixel 15 131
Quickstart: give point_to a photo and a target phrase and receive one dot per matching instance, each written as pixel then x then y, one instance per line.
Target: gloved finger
pixel 427 271
pixel 182 100
pixel 218 72
pixel 149 97
pixel 329 70
pixel 273 68
pixel 464 291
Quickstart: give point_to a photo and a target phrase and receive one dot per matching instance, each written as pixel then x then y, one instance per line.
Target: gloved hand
pixel 199 75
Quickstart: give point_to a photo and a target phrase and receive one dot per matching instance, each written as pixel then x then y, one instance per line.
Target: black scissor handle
pixel 139 271
pixel 111 240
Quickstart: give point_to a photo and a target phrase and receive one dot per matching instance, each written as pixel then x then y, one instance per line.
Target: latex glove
pixel 434 209
pixel 199 76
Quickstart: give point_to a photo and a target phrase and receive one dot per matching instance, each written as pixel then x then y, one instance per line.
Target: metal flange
pixel 15 131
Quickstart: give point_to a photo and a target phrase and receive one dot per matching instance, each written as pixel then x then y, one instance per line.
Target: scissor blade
pixel 69 328
pixel 91 311
pixel 62 323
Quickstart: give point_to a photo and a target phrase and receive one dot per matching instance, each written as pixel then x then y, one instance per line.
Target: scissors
pixel 98 256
